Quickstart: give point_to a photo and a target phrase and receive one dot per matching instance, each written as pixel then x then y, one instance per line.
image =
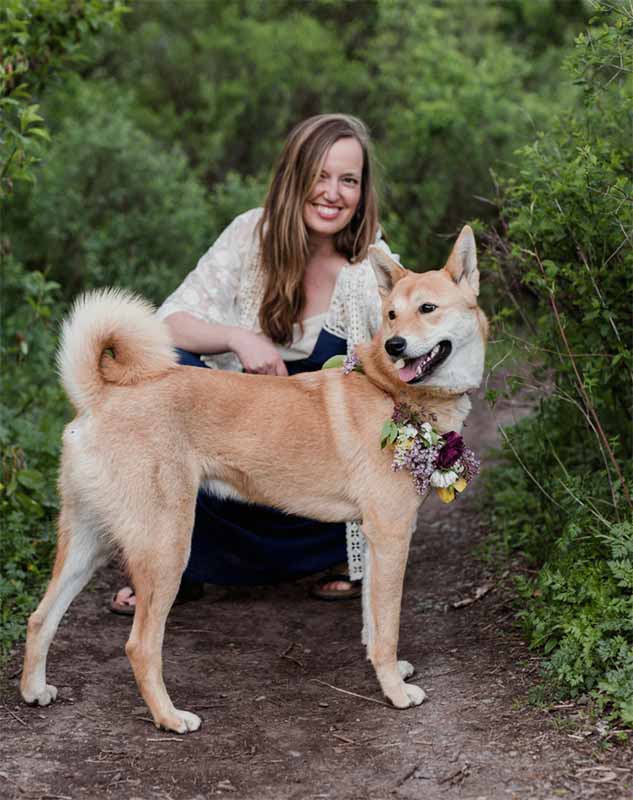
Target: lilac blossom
pixel 422 451
pixel 351 361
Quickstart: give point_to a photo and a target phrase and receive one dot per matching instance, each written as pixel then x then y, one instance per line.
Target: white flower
pixel 426 432
pixel 407 432
pixel 442 479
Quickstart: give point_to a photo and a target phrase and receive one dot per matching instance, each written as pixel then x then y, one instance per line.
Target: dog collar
pixel 440 460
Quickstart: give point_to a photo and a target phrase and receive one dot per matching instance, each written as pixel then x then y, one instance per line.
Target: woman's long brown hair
pixel 283 235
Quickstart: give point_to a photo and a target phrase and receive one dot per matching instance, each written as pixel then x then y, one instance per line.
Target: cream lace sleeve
pixel 210 291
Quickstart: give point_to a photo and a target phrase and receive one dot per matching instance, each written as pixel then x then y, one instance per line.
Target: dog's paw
pixel 44 698
pixel 180 722
pixel 416 695
pixel 405 669
pixel 408 695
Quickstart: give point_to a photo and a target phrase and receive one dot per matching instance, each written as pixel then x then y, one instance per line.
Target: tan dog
pixel 148 433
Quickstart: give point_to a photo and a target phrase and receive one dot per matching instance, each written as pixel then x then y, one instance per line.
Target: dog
pixel 148 433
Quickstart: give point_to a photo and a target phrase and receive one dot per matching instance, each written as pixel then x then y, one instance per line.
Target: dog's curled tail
pixel 110 337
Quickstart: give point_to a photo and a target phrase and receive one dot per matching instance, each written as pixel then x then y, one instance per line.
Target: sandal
pixel 188 591
pixel 319 591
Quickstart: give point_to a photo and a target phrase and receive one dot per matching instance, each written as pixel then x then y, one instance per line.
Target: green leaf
pixel 335 362
pixel 30 478
pixel 388 434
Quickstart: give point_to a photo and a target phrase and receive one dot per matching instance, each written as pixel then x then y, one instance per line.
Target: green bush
pixel 32 416
pixel 112 206
pixel 38 38
pixel 569 217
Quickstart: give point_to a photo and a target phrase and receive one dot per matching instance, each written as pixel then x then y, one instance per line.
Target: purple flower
pixel 351 362
pixel 470 463
pixel 451 451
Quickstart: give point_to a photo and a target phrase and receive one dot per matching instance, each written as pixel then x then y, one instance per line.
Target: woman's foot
pixel 124 601
pixel 336 587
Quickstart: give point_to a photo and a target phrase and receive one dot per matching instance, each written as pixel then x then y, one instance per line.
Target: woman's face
pixel 335 196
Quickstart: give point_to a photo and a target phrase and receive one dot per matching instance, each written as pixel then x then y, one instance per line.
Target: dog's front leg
pixel 387 552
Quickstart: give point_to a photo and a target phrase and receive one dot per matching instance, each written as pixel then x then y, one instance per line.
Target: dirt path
pixel 255 664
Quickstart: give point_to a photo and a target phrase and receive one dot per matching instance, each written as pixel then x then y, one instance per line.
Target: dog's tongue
pixel 407 373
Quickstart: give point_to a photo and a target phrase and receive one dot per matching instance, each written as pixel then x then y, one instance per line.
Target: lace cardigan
pixel 227 287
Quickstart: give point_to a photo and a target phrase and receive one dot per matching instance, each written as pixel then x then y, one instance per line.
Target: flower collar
pixel 440 460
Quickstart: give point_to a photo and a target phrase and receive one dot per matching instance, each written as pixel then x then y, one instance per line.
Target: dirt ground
pixel 261 666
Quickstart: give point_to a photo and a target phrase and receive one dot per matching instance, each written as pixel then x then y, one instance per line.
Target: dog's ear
pixel 462 262
pixel 388 270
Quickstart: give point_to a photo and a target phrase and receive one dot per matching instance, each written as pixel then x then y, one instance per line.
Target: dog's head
pixel 433 331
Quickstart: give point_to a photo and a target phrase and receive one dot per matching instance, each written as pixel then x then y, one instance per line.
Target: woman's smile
pixel 327 212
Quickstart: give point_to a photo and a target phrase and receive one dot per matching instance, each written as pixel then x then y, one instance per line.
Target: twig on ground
pixel 286 655
pixel 167 739
pixel 54 797
pixel 193 630
pixel 480 592
pixel 406 776
pixel 345 739
pixel 353 694
pixel 15 716
pixel 457 776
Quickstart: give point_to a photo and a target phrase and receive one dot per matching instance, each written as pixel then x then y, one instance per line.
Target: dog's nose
pixel 396 345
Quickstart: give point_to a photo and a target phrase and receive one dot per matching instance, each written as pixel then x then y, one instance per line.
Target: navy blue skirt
pixel 238 543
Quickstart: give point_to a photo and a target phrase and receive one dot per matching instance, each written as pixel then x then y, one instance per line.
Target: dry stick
pixel 407 775
pixel 461 772
pixel 581 389
pixel 353 694
pixel 568 398
pixel 345 739
pixel 167 739
pixel 591 277
pixel 15 716
pixel 525 468
pixel 286 654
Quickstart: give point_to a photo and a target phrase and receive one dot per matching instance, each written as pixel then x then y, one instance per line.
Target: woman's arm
pixel 256 352
pixel 201 312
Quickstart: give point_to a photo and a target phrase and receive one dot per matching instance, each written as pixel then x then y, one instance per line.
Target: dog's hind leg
pixel 156 573
pixel 386 560
pixel 81 549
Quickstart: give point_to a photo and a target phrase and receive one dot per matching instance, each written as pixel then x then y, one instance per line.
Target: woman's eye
pixel 351 181
pixel 426 308
pixel 392 315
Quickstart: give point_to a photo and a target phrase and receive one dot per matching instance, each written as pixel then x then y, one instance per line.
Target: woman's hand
pixel 256 352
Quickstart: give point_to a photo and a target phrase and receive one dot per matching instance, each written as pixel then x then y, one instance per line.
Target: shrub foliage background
pixel 567 238
pixel 131 133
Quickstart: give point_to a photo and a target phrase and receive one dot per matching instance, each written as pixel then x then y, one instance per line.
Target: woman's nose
pixel 331 190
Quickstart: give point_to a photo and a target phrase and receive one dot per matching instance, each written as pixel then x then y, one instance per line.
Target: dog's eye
pixel 426 308
pixel 392 314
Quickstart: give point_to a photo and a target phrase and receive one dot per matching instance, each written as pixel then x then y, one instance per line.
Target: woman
pixel 283 289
